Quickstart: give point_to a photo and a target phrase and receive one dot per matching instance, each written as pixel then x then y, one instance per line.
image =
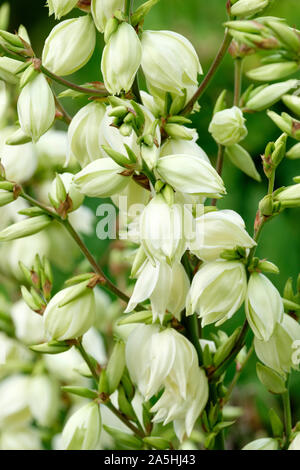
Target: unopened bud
pixel 115 366
pixel 293 103
pixel 61 7
pixel 271 72
pixel 274 382
pixel 266 206
pixel 270 95
pixel 53 347
pixel 177 131
pixel 25 228
pixel 287 35
pixel 104 10
pixel 243 8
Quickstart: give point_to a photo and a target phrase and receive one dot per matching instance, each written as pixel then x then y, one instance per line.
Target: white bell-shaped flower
pixel 217 291
pixel 218 231
pixel 121 59
pixel 165 286
pixel 169 61
pixel 82 430
pixel 228 126
pixel 263 306
pixel 83 134
pixel 70 45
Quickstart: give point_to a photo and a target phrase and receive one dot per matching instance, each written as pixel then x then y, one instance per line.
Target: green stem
pixel 88 361
pixel 287 414
pixel 238 66
pixel 88 91
pixel 271 183
pixel 210 74
pixel 124 420
pixel 219 166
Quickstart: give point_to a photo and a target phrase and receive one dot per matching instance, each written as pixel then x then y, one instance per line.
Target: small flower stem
pixel 238 66
pixel 86 358
pixel 287 414
pixel 88 91
pixel 124 420
pixel 271 183
pixel 219 166
pixel 210 74
pixel 65 115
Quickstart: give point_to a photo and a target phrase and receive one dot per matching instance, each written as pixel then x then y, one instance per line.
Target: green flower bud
pixel 25 228
pixel 274 382
pixel 293 103
pixel 36 107
pixel 103 11
pixel 82 430
pixel 121 59
pixel 287 35
pixel 228 126
pixel 72 319
pixel 242 160
pixel 53 347
pixel 266 443
pixel 115 366
pixel 66 189
pixel 294 152
pixel 60 7
pixel 290 196
pixel 4 15
pixel 70 45
pixel 271 72
pixel 6 197
pixel 177 131
pixel 270 95
pixel 243 8
pixel 9 69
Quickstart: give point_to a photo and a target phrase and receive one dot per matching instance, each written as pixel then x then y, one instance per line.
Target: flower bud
pixel 165 286
pixel 69 320
pixel 263 305
pixel 121 59
pixel 295 444
pixel 270 95
pixel 217 291
pixel 266 443
pixel 162 230
pixel 115 366
pixel 242 160
pixel 274 382
pixel 277 353
pixel 289 197
pixel 169 61
pixel 219 231
pixel 83 134
pixel 293 103
pixel 60 7
pixel 294 152
pixel 25 228
pixel 44 399
pixel 191 175
pixel 271 72
pixel 103 10
pixel 243 8
pixel 101 178
pixel 70 45
pixel 82 430
pixel 75 199
pixel 36 107
pixel 9 69
pixel 228 126
pixel 6 197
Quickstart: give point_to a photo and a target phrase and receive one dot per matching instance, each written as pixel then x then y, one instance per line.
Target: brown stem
pixel 218 59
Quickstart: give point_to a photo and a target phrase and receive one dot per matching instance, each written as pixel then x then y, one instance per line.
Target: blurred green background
pixel 201 22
